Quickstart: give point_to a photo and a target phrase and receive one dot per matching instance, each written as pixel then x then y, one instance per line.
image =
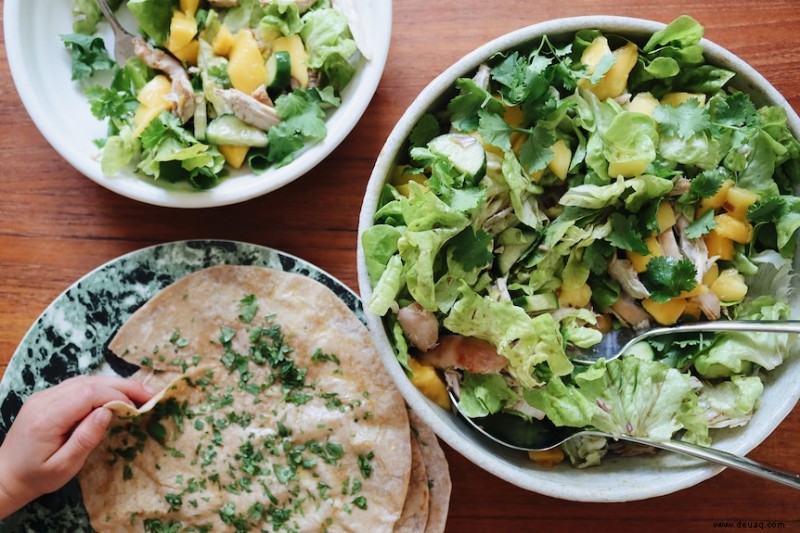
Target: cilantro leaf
pixel 702 225
pixel 666 277
pixel 685 120
pixel 494 130
pixel 625 236
pixel 110 103
pixel 536 152
pixel 736 110
pixel 596 257
pixel 464 107
pixel 472 249
pixel 89 55
pixel 521 78
pixel 602 68
pixel 704 185
pixel 302 122
pixel 768 210
pixel 424 131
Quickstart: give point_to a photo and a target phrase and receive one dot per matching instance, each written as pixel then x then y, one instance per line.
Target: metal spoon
pixel 517 433
pixel 616 342
pixel 123 39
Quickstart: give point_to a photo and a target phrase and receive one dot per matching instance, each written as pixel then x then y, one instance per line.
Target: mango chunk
pixel 639 262
pixel 547 458
pixel 189 6
pixel 562 156
pixel 738 201
pixel 718 245
pixel 234 154
pixel 678 98
pixel 627 169
pixel 643 103
pixel 297 54
pixel 188 54
pixel 223 41
pixel 152 101
pixel 716 201
pixel 735 229
pixel 575 296
pixel 615 80
pixel 729 286
pixel 182 29
pixel 428 382
pixel 246 67
pixel 665 216
pixel 666 313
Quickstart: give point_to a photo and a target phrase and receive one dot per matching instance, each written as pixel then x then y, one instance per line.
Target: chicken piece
pixel 694 249
pixel 680 185
pixel 419 326
pixel 248 109
pixel 622 271
pixel 182 93
pixel 223 3
pixel 628 312
pixel 709 304
pixel 669 245
pixel 261 95
pixel 466 353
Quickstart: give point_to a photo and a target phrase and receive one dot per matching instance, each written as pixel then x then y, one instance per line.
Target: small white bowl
pixel 619 478
pixel 41 68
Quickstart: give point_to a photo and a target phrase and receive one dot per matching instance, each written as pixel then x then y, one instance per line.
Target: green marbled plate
pixel 72 335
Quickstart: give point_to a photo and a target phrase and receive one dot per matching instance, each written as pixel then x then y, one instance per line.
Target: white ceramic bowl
pixel 41 69
pixel 619 478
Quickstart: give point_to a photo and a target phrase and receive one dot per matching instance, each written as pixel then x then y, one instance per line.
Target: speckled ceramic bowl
pixel 618 479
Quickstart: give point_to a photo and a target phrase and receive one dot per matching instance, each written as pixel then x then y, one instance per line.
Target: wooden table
pixel 56 225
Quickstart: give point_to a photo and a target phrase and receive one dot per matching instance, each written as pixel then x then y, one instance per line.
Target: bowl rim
pixel 469 444
pixel 360 93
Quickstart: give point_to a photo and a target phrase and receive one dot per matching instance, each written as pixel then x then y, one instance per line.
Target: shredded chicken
pixel 679 186
pixel 694 249
pixel 261 95
pixel 628 312
pixel 419 326
pixel 182 93
pixel 248 109
pixel 622 271
pixel 709 305
pixel 669 245
pixel 466 353
pixel 481 77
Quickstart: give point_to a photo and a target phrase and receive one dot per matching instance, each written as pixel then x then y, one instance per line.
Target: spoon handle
pixel 726 459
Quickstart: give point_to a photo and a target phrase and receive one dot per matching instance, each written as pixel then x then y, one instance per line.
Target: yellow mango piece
pixel 666 313
pixel 234 154
pixel 627 169
pixel 517 140
pixel 665 216
pixel 514 116
pixel 547 458
pixel 738 201
pixel 297 54
pixel 428 382
pixel 716 201
pixel 223 41
pixel 643 103
pixel 639 262
pixel 562 156
pixel 735 229
pixel 699 289
pixel 615 80
pixel 693 310
pixel 189 6
pixel 575 296
pixel 182 29
pixel 711 275
pixel 729 286
pixel 678 98
pixel 246 67
pixel 188 54
pixel 718 245
pixel 155 91
pixel 145 115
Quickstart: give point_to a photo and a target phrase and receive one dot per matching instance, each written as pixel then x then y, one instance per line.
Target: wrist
pixel 11 499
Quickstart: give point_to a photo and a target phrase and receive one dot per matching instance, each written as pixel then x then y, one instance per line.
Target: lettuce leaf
pixel 154 17
pixel 484 394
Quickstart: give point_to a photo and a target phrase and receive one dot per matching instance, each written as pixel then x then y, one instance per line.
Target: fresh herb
pixel 666 277
pixel 89 55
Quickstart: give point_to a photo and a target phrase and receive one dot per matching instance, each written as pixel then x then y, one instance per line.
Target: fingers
pixel 69 459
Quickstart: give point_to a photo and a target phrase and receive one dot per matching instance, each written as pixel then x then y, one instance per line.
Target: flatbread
pixel 415 511
pixel 438 472
pixel 240 438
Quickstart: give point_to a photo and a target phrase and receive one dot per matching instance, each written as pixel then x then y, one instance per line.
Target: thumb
pixel 86 437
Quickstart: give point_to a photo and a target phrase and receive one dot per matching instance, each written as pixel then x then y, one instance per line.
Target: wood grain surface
pixel 56 225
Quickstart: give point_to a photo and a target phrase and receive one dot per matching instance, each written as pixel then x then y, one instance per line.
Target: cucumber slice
pixel 200 116
pixel 465 153
pixel 537 303
pixel 230 130
pixel 279 70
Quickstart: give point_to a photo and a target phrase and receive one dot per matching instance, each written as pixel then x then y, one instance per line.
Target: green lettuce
pixel 484 394
pixel 731 403
pixel 154 17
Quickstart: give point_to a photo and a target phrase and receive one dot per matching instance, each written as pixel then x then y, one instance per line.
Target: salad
pixel 214 85
pixel 570 188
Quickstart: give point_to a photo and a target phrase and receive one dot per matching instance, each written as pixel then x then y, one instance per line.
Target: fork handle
pixel 764 326
pixel 730 460
pixel 111 18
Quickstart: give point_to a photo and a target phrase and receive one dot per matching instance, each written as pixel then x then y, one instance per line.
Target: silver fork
pixel 123 39
pixel 616 342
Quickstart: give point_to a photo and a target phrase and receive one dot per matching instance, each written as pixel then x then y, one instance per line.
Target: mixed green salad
pixel 213 84
pixel 570 188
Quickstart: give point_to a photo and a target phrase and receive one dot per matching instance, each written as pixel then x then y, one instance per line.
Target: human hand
pixel 54 433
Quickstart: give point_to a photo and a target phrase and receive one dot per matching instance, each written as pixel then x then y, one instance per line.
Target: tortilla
pixel 415 511
pixel 438 473
pixel 276 414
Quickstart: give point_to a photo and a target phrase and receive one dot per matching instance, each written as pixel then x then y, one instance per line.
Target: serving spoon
pixel 617 342
pixel 541 435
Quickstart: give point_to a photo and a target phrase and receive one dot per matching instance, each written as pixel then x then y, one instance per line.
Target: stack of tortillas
pixel 274 414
